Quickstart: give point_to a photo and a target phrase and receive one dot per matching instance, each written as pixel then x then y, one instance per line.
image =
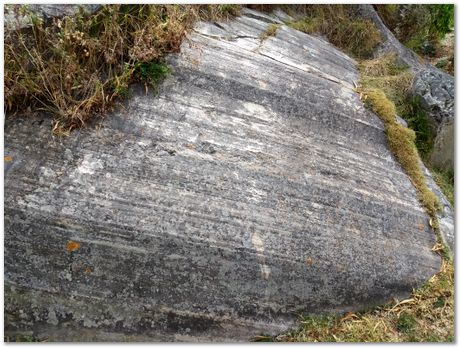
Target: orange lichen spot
pixel 73 246
pixel 309 261
pixel 8 158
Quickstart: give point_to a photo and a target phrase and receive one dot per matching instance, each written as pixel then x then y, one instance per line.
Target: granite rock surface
pixel 252 186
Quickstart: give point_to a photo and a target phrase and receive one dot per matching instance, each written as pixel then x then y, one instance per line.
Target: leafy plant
pixel 420 27
pixel 151 72
pixel 442 19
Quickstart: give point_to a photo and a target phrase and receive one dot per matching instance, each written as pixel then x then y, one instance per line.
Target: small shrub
pixel 228 10
pixel 418 120
pixel 442 19
pixel 360 37
pixel 388 13
pixel 151 72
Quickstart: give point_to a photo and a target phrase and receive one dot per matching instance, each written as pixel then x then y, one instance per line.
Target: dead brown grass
pixel 356 36
pixel 271 31
pixel 386 74
pixel 78 66
pixel 427 316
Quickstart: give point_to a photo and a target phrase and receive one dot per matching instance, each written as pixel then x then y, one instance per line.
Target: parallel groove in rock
pixel 246 189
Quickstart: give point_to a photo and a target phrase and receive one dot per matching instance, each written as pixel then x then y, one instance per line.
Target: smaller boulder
pixel 435 92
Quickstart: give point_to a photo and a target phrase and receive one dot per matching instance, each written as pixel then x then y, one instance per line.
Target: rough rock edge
pixel 13 20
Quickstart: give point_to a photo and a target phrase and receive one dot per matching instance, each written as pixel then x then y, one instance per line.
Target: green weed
pixel 406 322
pixel 151 72
pixel 419 27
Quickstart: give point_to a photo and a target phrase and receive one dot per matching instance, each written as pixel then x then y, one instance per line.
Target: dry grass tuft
pixel 78 66
pixel 425 317
pixel 356 36
pixel 271 31
pixel 386 74
pixel 383 66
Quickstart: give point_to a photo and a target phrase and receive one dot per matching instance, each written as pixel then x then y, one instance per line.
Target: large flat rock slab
pixel 251 187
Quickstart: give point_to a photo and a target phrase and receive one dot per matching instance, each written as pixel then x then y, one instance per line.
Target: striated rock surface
pixel 251 187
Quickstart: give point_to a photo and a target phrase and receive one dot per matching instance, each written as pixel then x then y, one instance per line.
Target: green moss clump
pixel 401 141
pixel 378 102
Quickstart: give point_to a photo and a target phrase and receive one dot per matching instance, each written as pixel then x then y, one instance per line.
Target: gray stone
pixel 443 154
pixel 282 16
pixel 401 121
pixel 434 89
pixel 247 12
pixel 16 18
pixel 253 186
